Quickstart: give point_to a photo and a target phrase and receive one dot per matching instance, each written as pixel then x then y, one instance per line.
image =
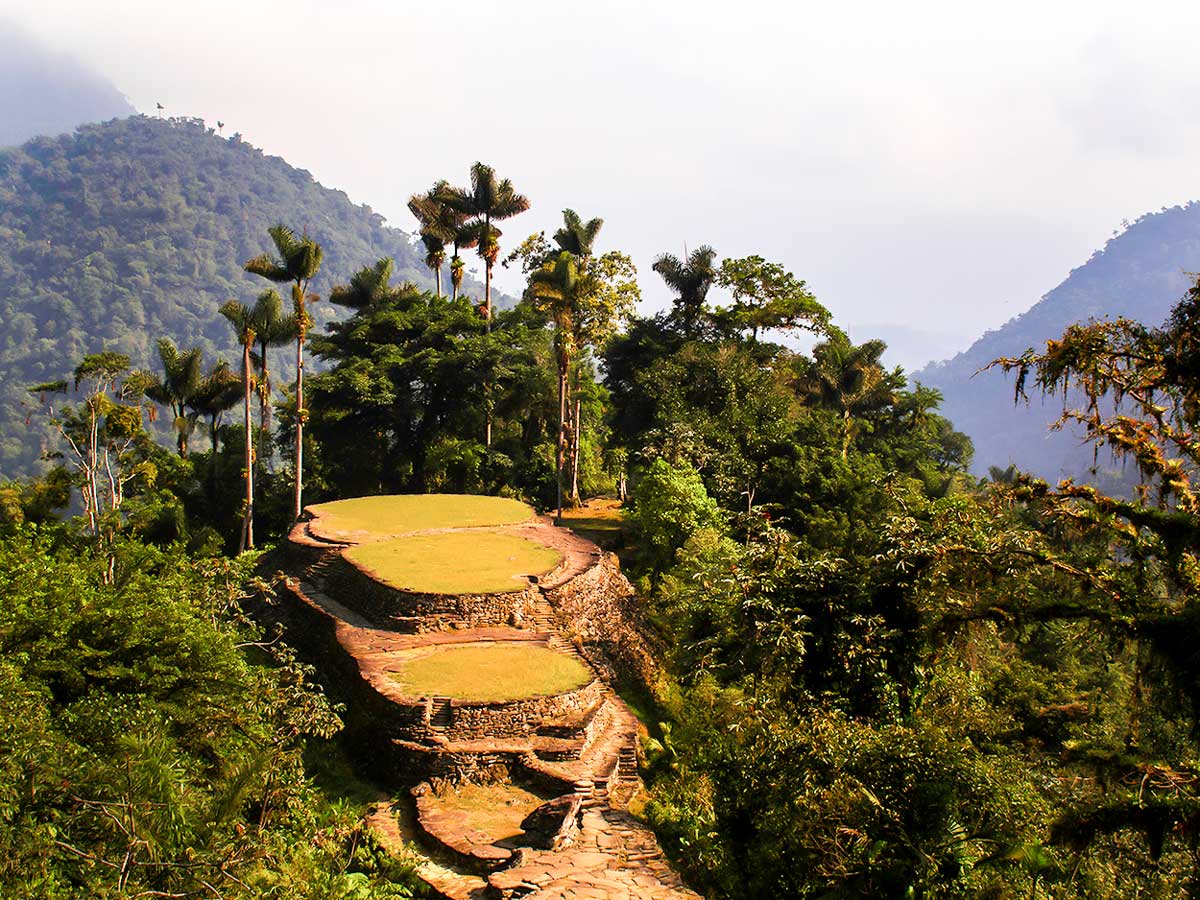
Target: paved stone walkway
pixel 615 858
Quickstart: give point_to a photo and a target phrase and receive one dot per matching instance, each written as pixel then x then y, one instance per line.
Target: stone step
pixel 441 713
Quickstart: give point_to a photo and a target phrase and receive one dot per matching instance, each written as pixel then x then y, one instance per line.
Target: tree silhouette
pixel 690 279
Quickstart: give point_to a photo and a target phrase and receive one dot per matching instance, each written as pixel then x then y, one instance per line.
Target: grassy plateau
pixel 404 513
pixel 491 672
pixel 455 562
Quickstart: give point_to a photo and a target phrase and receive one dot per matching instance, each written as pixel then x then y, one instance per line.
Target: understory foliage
pixel 153 741
pixel 884 681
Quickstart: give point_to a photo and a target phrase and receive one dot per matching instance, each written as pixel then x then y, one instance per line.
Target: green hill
pixel 1141 273
pixel 137 228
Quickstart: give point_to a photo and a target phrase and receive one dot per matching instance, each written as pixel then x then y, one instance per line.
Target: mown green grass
pixel 455 562
pixel 402 513
pixel 491 672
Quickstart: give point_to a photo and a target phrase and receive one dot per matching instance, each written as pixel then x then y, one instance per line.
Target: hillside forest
pixel 877 675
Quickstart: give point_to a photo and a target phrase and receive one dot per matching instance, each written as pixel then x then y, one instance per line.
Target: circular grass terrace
pixel 455 562
pixel 490 672
pixel 373 517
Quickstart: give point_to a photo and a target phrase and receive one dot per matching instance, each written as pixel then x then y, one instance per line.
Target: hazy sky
pixel 925 166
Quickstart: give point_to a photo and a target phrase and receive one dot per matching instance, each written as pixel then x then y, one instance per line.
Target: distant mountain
pixel 47 93
pixel 1140 274
pixel 136 229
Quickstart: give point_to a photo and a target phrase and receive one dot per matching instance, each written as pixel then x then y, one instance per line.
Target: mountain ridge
pixel 1140 273
pixel 135 229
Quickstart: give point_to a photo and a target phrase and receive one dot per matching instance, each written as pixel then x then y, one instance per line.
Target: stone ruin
pixel 571 756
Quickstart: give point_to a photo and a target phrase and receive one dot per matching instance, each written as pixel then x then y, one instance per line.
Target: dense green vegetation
pixel 888 682
pixel 881 677
pixel 154 742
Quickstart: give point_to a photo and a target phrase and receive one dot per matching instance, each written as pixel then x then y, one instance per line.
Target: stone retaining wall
pixel 599 610
pixel 413 612
pixel 516 718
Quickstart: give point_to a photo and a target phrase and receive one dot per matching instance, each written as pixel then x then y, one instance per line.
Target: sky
pixel 930 169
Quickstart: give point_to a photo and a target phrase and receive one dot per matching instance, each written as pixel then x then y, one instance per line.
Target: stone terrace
pixel 580 743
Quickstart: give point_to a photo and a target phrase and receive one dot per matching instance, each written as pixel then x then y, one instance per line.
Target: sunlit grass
pixel 601 521
pixel 490 672
pixel 456 562
pixel 403 513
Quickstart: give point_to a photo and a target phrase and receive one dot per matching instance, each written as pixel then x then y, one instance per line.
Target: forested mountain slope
pixel 1140 274
pixel 48 93
pixel 135 229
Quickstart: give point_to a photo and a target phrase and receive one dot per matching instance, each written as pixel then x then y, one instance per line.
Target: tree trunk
pixel 181 439
pixel 437 277
pixel 247 541
pixel 264 407
pixel 298 500
pixel 575 427
pixel 487 295
pixel 560 444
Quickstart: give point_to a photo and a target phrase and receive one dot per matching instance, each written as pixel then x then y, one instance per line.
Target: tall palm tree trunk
pixel 178 410
pixel 297 505
pixel 437 277
pixel 487 315
pixel 247 542
pixel 560 444
pixel 264 406
pixel 575 428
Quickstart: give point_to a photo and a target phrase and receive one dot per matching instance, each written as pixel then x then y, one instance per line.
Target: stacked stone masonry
pixel 581 742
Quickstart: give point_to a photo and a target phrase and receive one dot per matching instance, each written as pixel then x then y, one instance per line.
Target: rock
pixel 554 824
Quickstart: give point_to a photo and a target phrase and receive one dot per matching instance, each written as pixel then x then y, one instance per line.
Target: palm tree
pixel 848 379
pixel 435 257
pixel 441 224
pixel 577 236
pixel 272 329
pixel 556 288
pixel 298 260
pixel 181 379
pixel 690 279
pixel 241 318
pixel 219 391
pixel 488 200
pixel 465 238
pixel 367 286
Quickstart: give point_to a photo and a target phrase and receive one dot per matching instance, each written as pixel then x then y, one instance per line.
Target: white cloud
pixel 940 162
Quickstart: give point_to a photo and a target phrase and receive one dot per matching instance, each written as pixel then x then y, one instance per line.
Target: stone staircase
pixel 441 713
